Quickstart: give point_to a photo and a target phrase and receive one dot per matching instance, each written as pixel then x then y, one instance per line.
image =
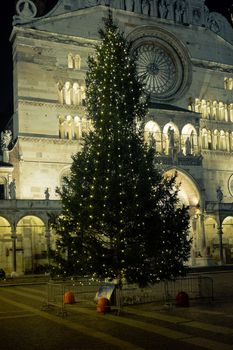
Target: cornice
pixel 51 37
pixel 213 153
pixel 52 105
pixel 216 124
pixel 48 139
pixel 213 66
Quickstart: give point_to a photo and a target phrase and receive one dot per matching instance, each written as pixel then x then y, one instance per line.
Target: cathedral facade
pixel 184 57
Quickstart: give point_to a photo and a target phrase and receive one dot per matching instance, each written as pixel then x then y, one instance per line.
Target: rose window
pixel 156 69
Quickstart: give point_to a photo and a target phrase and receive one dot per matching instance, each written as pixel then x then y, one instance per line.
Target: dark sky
pixel 6 108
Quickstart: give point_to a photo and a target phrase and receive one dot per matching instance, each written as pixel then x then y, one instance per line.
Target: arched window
pixel 82 95
pixel 65 174
pixel 77 128
pixel 204 139
pixel 197 105
pixel 77 62
pixel 76 94
pixel 226 83
pixel 231 141
pixel 204 109
pixel 228 141
pixel 231 112
pixel 70 60
pixel 61 120
pixel 226 111
pixel 60 92
pixel 209 137
pixel 69 127
pixel 221 111
pixel 230 84
pixel 215 110
pixel 216 140
pixel 222 140
pixel 68 93
pixel 208 109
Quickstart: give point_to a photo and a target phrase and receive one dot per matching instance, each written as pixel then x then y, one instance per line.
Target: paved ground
pixel 25 323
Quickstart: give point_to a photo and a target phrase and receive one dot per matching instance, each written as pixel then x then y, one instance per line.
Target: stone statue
pixel 47 194
pixel 219 194
pixel 137 6
pixel 151 140
pixel 12 189
pixel 163 8
pixel 188 147
pixel 6 137
pixel 154 8
pixel 129 4
pixel 171 139
pixel 146 7
pixel 179 11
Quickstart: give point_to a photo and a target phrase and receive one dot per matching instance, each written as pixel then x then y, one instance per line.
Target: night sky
pixel 6 107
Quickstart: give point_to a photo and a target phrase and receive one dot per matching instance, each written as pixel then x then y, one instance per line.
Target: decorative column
pixel 202 232
pixel 219 229
pixel 13 237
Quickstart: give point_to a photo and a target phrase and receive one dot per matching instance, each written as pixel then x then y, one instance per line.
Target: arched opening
pixel 221 111
pixel 5 246
pixel 61 120
pixel 171 139
pixel 3 188
pixel 76 94
pixel 216 140
pixel 222 141
pixel 189 140
pixel 64 174
pixel 31 237
pixel 77 61
pixel 212 240
pixel 204 139
pixel 68 93
pixel 189 195
pixel 152 135
pixel 227 238
pixel 77 128
pixel 70 60
pixel 69 127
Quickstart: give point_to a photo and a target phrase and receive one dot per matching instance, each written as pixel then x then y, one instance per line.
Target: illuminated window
pixel 74 61
pixel 77 62
pixel 70 60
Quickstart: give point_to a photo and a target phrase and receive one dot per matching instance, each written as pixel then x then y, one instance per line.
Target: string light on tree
pixel 116 204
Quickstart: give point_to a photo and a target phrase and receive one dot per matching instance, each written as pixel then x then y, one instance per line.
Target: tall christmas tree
pixel 121 218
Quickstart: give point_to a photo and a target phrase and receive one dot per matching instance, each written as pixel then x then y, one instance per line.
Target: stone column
pixel 13 237
pixel 47 236
pixel 154 8
pixel 202 233
pixel 220 233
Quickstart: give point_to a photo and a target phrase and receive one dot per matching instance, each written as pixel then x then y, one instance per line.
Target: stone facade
pixel 185 54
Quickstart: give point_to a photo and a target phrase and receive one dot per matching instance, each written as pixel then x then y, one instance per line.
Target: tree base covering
pixel 121 217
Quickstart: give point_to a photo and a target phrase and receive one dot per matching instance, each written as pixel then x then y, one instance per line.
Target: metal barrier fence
pixel 85 291
pixel 166 291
